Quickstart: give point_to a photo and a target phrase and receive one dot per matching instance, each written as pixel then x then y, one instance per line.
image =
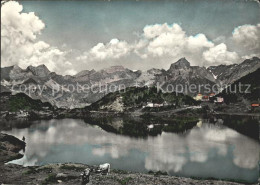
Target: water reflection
pixel 207 150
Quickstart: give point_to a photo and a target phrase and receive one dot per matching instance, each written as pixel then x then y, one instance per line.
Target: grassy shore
pixel 69 173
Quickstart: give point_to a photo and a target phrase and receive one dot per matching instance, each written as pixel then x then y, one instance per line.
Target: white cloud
pixel 156 41
pixel 198 41
pixel 248 36
pixel 158 45
pixel 70 72
pixel 172 41
pixel 19 43
pixel 250 56
pixel 112 50
pixel 164 39
pixel 164 42
pixel 219 55
pixel 152 31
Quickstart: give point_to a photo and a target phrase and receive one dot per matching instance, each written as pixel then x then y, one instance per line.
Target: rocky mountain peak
pixel 154 71
pixel 9 68
pixel 230 73
pixel 251 60
pixel 180 72
pixel 113 69
pixel 5 72
pixel 41 70
pixel 16 67
pixel 180 64
pixel 84 73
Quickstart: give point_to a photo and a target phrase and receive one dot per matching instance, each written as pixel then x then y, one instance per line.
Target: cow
pixel 104 168
pixel 85 176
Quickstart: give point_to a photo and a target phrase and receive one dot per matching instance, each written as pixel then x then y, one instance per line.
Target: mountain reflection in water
pixel 207 150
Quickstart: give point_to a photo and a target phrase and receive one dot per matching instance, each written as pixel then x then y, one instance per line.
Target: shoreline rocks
pixel 69 173
pixel 9 148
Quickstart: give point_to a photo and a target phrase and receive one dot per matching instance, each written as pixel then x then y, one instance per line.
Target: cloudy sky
pixel 70 36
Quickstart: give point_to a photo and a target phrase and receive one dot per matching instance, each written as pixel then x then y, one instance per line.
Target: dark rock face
pixel 10 146
pixel 17 144
pixel 40 71
pixel 5 72
pixel 84 75
pixel 4 89
pixel 56 89
pixel 180 64
pixel 230 73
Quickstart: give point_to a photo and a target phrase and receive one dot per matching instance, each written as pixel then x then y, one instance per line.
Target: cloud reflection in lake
pixel 208 150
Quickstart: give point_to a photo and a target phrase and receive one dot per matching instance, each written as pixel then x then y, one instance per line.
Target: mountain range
pixel 74 91
pixel 250 91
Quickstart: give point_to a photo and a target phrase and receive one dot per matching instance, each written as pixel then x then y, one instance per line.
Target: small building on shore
pixel 212 94
pixel 150 104
pixel 219 100
pixel 255 105
pixel 157 105
pixel 22 114
pixel 198 97
pixel 205 98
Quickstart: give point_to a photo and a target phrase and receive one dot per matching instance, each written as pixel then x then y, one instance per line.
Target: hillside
pixel 252 94
pixel 228 74
pixel 136 98
pixel 20 101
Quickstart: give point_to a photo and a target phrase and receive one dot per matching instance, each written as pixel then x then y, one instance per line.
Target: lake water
pixel 207 150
